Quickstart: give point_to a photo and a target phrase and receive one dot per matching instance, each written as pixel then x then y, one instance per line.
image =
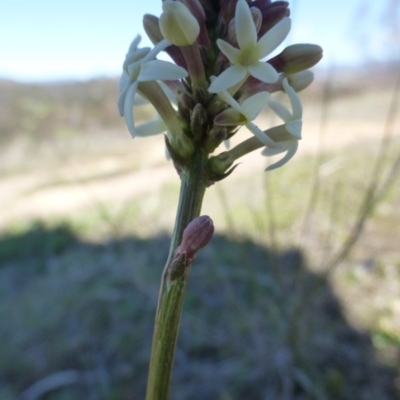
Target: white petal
pixel 246 33
pixel 252 106
pixel 230 117
pixel 128 108
pixel 288 156
pixel 160 46
pixel 280 148
pixel 231 52
pixel 124 81
pixel 230 77
pixel 227 143
pixel 300 80
pixel 297 108
pixel 138 55
pixel 151 128
pixel 274 37
pixel 134 45
pixel 121 101
pixel 161 70
pixel 294 128
pixel 260 135
pixel 264 72
pixel 228 98
pixel 134 70
pixel 280 110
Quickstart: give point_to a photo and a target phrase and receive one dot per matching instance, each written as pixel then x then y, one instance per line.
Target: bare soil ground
pixel 59 185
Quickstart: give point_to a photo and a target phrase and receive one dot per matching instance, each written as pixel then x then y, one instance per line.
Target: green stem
pixel 172 292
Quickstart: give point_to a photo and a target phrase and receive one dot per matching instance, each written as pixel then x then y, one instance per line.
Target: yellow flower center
pixel 248 56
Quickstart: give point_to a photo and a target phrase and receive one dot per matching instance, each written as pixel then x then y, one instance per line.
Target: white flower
pixel 292 119
pixel 246 59
pixel 141 66
pixel 293 124
pixel 243 114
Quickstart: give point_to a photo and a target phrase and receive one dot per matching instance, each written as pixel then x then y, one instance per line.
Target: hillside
pixel 40 111
pixel 44 110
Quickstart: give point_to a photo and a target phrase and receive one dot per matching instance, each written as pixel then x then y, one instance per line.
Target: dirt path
pixel 60 190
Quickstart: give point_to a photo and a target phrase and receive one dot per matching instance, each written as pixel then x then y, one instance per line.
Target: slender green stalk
pixel 172 291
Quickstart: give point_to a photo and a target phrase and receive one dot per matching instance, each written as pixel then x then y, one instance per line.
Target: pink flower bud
pixel 196 235
pixel 196 9
pixel 296 58
pixel 272 13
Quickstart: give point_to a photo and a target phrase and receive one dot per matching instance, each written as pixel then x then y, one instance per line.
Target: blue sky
pixel 79 39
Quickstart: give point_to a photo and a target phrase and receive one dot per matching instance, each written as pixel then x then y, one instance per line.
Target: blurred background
pixel 298 294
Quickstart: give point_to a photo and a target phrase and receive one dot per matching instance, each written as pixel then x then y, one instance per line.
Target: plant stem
pixel 172 292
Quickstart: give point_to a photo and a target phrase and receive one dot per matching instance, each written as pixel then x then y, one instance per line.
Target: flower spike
pixel 221 78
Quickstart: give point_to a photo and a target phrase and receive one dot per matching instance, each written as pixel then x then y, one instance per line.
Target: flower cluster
pixel 219 79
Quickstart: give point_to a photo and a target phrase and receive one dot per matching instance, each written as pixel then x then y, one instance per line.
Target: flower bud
pixel 215 137
pixel 257 17
pixel 196 235
pixel 150 25
pixel 220 163
pixel 196 9
pixel 152 28
pixel 177 24
pixel 296 58
pixel 181 145
pixel 272 13
pixel 261 4
pixel 185 105
pixel 300 80
pixel 198 121
pixel 226 14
